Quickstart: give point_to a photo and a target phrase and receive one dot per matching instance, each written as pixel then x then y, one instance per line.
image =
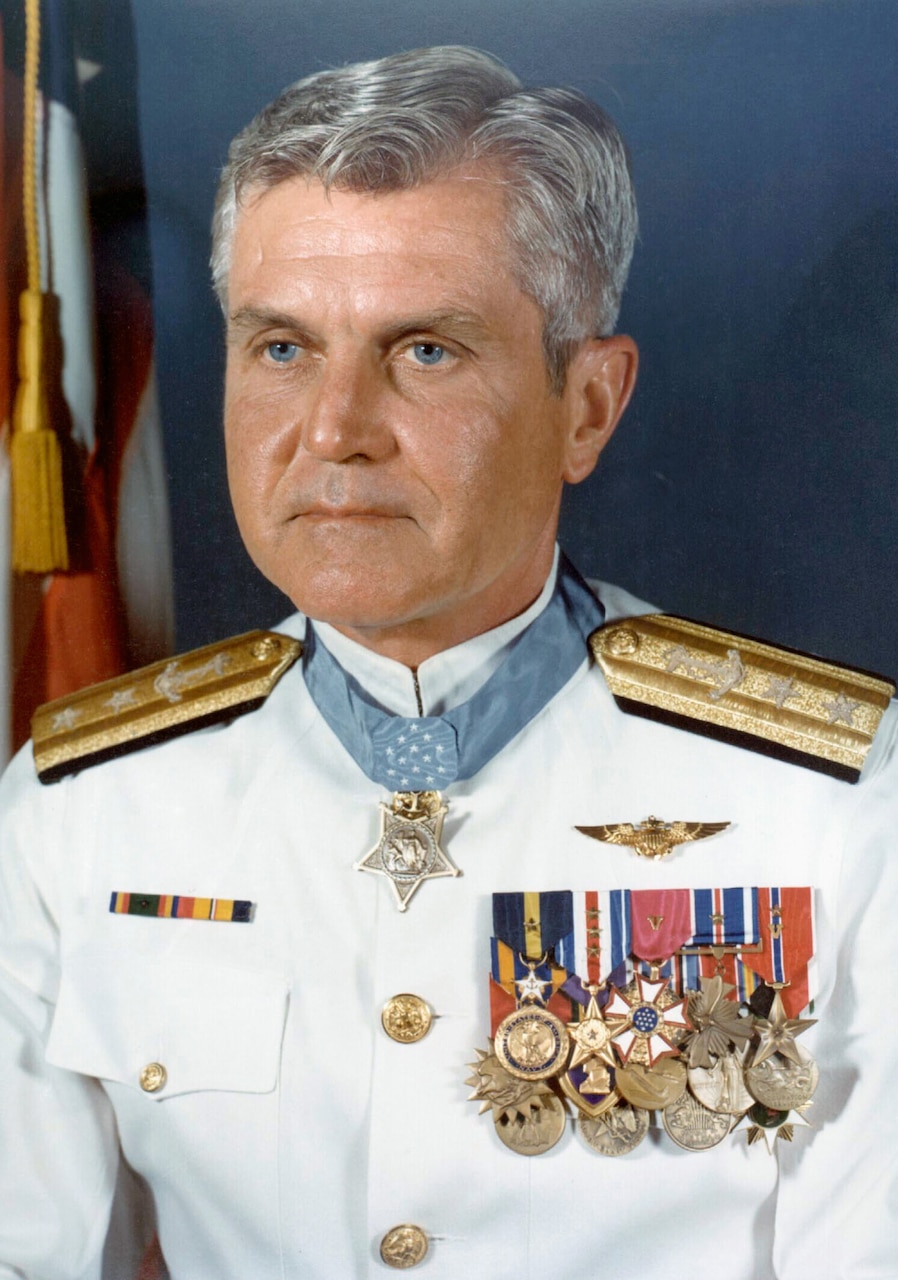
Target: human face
pixel 395 453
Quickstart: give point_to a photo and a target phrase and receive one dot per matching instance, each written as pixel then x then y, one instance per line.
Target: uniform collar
pixel 446 679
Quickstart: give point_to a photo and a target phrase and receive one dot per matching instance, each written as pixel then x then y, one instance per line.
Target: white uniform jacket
pixel 292 1132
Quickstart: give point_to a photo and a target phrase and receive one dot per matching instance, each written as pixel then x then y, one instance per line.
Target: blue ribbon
pixel 430 752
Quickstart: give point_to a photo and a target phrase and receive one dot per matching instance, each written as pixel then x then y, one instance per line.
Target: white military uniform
pixel 292 1132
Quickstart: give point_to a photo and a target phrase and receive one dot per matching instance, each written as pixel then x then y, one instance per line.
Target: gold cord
pixel 39 534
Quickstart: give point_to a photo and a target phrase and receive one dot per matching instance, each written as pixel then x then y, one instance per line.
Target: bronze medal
pixel 617 1132
pixel 771 1124
pixel 589 1079
pixel 782 1084
pixel 534 1126
pixel 598 1085
pixel 694 1127
pixel 531 1043
pixel 721 1087
pixel 652 1088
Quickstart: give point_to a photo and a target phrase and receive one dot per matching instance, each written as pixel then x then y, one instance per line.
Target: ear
pixel 600 381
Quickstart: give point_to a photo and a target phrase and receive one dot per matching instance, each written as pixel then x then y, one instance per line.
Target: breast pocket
pixel 168 1028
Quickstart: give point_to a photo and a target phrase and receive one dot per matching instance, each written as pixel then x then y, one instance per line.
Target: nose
pixel 346 418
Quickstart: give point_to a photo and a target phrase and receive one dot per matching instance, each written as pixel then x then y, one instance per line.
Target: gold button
pixel 153 1077
pixel 406 1018
pixel 403 1247
pixel 267 647
pixel 621 642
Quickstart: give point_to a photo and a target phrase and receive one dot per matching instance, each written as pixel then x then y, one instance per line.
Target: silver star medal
pixel 409 852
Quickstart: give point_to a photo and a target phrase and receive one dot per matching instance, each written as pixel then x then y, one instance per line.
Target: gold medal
pixel 589 1079
pixel 531 1043
pixel 534 1127
pixel 528 1118
pixel 771 1124
pixel 409 852
pixel 652 1088
pixel 617 1132
pixel 717 1022
pixel 782 1084
pixel 721 1087
pixel 692 1126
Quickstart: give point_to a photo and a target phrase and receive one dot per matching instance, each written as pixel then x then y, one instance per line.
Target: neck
pixel 413 641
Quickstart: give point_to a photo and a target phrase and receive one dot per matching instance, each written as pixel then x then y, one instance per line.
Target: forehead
pixel 449 233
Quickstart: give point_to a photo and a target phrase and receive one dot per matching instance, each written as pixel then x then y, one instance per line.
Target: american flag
pixel 112 608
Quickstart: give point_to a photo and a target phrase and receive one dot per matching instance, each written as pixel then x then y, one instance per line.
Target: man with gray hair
pixel 420 264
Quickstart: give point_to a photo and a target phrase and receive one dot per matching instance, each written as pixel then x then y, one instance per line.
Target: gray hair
pixel 402 121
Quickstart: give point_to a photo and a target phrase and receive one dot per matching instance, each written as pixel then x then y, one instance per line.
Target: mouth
pixel 322 513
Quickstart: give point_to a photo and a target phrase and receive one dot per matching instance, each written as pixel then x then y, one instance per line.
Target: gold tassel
pixel 38 506
pixel 39 538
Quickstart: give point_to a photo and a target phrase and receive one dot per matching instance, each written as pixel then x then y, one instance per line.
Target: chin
pixel 357 597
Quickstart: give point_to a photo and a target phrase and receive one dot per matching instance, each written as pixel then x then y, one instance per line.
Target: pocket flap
pixel 209 1027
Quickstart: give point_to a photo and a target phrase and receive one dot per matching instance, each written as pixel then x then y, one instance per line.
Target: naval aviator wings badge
pixel 409 852
pixel 655 838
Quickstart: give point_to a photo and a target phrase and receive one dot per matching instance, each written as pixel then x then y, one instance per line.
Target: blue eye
pixel 282 352
pixel 428 352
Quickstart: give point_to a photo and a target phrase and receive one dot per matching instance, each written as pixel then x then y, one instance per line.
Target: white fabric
pixel 292 1133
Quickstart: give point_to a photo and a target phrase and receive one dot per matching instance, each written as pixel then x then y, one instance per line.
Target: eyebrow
pixel 254 318
pixel 460 324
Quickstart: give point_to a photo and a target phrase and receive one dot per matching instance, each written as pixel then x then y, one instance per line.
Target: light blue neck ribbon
pixel 430 752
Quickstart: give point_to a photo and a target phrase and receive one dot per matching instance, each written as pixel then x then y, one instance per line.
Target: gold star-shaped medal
pixel 591 1036
pixel 497 1089
pixel 409 852
pixel 778 1033
pixel 768 1125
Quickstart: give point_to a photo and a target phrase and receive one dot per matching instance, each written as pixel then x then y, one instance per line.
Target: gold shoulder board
pixel 159 702
pixel 776 701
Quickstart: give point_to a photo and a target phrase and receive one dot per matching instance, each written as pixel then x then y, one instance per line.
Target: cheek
pixel 260 438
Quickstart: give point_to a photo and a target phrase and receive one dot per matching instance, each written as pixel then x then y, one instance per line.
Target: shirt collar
pixel 445 680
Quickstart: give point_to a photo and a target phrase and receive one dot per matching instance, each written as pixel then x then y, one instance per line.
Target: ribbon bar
pixel 170 906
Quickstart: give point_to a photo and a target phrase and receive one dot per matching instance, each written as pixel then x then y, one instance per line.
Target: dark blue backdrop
pixel 753 481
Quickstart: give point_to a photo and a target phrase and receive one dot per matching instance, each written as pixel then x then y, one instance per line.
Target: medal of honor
pixel 409 852
pixel 413 755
